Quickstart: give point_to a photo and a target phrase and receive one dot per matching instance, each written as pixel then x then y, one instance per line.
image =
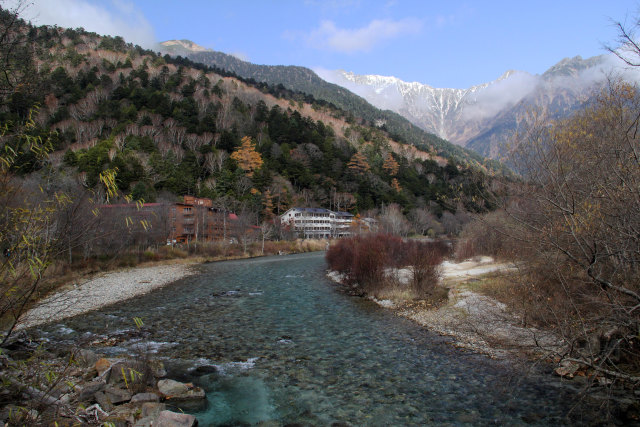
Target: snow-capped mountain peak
pixel 438 110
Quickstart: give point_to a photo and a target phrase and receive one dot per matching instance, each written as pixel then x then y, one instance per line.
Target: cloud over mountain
pixel 115 18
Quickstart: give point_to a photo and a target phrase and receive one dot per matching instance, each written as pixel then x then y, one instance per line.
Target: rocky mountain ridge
pixel 306 81
pixel 436 110
pixel 181 47
pixel 482 117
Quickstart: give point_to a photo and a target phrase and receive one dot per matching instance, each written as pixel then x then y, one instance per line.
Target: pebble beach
pixel 103 290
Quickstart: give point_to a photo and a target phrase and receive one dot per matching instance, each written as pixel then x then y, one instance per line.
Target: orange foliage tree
pixel 358 164
pixel 247 157
pixel 390 165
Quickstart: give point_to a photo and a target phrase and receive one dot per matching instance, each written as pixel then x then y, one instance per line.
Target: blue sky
pixel 440 43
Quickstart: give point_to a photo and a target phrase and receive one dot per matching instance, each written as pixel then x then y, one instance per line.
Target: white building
pixel 317 222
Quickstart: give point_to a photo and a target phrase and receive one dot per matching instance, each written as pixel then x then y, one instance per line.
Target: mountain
pixel 181 47
pixel 306 81
pixel 436 110
pixel 161 127
pixel 482 117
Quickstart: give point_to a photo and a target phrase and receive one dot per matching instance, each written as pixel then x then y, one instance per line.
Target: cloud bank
pixel 504 92
pixel 385 98
pixel 121 19
pixel 329 36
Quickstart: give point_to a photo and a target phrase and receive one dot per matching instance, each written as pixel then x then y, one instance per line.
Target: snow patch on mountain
pixel 437 110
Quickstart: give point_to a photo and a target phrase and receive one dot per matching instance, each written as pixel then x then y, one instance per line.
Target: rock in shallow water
pixel 176 390
pixel 173 419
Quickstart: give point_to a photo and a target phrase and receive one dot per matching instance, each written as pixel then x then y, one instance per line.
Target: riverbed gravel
pixel 475 322
pixel 103 290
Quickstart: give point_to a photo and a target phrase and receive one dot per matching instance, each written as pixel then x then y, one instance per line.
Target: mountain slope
pixel 168 126
pixel 482 117
pixel 436 110
pixel 307 81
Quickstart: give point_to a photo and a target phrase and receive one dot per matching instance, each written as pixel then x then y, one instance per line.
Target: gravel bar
pixel 101 291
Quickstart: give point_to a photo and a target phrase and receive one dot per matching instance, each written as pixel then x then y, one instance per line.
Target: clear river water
pixel 276 343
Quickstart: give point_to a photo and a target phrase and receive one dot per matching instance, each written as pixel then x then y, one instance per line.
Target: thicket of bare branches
pixel 572 224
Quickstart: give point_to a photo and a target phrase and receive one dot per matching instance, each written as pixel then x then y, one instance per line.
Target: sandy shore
pixel 106 289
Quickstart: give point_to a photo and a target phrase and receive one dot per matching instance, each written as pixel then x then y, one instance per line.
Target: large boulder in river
pixel 187 396
pixel 183 391
pixel 174 419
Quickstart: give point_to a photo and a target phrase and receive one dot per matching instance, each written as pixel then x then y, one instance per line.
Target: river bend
pixel 282 345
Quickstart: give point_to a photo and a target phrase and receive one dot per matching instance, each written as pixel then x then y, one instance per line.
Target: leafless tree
pixel 422 220
pixel 393 221
pixel 245 228
pixel 574 221
pixel 16 58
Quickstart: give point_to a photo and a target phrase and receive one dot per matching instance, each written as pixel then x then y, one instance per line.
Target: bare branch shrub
pixel 574 221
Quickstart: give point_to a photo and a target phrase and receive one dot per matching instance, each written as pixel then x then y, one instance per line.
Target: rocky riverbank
pixel 475 321
pixel 100 291
pixel 83 387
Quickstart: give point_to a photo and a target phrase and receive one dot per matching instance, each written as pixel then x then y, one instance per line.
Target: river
pixel 283 345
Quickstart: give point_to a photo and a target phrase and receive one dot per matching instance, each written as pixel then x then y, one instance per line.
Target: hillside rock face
pixel 485 116
pixel 181 47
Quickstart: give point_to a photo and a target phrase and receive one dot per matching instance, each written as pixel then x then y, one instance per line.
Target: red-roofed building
pixel 193 219
pixel 196 219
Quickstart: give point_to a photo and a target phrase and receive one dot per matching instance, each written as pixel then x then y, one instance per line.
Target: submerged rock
pixel 205 370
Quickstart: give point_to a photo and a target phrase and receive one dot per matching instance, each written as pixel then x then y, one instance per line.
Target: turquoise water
pixel 275 343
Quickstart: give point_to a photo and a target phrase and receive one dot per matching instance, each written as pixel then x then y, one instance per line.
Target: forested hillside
pixel 170 127
pixel 305 80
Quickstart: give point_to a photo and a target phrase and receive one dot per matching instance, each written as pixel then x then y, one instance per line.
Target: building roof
pixel 343 214
pixel 131 205
pixel 313 210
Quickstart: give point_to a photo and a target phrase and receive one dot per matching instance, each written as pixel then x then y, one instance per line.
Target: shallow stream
pixel 277 343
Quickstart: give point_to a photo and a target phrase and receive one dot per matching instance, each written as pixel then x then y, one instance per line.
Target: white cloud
pixel 500 94
pixel 241 56
pixel 488 102
pixel 127 21
pixel 385 98
pixel 329 36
